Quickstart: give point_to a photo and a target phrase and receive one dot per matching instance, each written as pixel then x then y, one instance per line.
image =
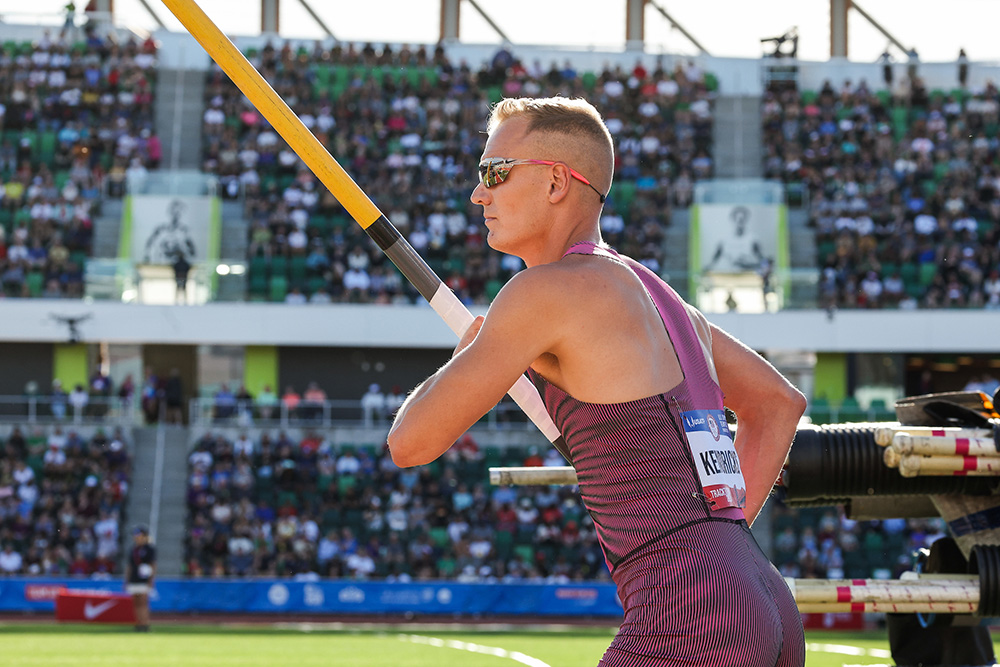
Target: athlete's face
pixel 513 208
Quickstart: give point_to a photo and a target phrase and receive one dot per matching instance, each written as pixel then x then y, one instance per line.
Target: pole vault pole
pixel 354 200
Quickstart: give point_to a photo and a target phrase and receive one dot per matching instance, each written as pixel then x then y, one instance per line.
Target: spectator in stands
pixel 290 400
pixel 59 400
pixel 78 400
pixel 173 397
pixel 224 403
pixel 11 561
pixel 266 402
pixel 313 401
pixel 373 405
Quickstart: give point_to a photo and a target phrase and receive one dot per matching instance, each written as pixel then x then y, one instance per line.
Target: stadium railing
pixel 207 412
pixel 37 409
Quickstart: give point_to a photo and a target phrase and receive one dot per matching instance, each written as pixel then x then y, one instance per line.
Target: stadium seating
pixel 654 122
pixel 897 189
pixel 51 172
pixel 325 504
pixel 62 500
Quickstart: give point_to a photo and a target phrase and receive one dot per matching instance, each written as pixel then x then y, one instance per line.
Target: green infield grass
pixel 302 645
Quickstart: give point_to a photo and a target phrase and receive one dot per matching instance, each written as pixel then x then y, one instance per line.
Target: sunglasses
pixel 494 170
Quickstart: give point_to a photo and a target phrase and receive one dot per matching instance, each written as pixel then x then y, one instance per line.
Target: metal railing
pixel 788 289
pixel 126 281
pixel 36 409
pixel 208 412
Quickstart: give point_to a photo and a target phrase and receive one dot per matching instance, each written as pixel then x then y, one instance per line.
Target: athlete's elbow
pixel 406 450
pixel 794 401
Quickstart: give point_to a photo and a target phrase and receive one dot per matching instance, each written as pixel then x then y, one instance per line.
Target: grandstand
pixel 245 417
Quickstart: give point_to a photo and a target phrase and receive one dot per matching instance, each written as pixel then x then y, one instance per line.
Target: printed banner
pixel 330 596
pixel 739 238
pixel 164 227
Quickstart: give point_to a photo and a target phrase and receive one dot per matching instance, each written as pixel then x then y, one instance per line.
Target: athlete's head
pixel 567 130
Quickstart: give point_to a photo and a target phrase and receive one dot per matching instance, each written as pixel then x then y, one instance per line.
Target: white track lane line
pixel 843 649
pixel 516 656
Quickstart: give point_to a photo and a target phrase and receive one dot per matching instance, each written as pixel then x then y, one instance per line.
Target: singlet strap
pixel 590 248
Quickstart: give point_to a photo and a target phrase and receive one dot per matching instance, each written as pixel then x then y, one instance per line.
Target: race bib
pixel 715 458
pixel 145 570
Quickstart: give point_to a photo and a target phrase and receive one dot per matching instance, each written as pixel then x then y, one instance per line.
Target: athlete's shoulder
pixel 557 282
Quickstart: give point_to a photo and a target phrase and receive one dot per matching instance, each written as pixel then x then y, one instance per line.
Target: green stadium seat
pixel 34 281
pixel 279 265
pixel 47 148
pixel 916 291
pixel 314 283
pixel 850 411
pixel 928 270
pixel 297 271
pixel 623 195
pixel 61 178
pixel 439 536
pixel 879 411
pixel 820 411
pixel 909 273
pixel 525 553
pixel 278 288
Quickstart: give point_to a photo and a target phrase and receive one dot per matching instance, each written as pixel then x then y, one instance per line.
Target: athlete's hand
pixel 469 335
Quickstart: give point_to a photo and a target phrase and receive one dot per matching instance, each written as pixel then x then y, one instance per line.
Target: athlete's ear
pixel 559 182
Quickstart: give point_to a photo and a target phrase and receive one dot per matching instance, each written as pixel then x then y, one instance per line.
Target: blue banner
pixel 333 596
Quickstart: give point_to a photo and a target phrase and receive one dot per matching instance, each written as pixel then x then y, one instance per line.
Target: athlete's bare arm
pixel 521 326
pixel 768 408
pixel 584 323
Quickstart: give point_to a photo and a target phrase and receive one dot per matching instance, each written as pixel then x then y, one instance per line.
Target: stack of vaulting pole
pixel 946 594
pixel 936 451
pixel 950 594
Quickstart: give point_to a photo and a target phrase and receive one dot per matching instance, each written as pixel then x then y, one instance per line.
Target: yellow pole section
pixel 273 108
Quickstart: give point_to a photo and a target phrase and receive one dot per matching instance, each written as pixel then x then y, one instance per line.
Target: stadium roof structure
pixel 635 25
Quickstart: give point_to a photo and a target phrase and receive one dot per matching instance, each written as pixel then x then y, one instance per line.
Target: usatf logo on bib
pixel 713 427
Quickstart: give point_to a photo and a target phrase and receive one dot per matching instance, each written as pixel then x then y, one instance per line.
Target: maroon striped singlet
pixel 695 586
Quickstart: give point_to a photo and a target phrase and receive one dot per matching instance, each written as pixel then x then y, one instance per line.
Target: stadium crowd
pixel 76 117
pixel 903 190
pixel 62 501
pixel 407 125
pixel 279 507
pixel 823 543
pixel 271 505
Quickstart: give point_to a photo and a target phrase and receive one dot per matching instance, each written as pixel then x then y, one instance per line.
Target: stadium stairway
pixel 170 525
pixel 180 104
pixel 802 251
pixel 107 228
pixel 675 251
pixel 233 250
pixel 736 139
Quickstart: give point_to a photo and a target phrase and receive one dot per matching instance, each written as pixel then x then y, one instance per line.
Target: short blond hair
pixel 575 118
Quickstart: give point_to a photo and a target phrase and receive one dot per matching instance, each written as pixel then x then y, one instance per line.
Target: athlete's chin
pixel 496 242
